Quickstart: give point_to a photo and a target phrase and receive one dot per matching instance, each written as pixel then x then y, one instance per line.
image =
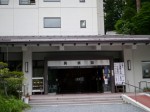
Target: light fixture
pixel 26 66
pixel 129 64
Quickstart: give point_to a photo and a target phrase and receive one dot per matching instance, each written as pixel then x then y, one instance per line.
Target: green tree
pixel 10 81
pixel 113 11
pixel 133 22
pixel 124 25
pixel 142 20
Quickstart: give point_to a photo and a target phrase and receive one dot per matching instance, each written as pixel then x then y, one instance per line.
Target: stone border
pixel 127 99
pixel 147 94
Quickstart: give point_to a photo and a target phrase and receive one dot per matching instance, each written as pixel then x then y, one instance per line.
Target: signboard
pixel 78 63
pixel 119 73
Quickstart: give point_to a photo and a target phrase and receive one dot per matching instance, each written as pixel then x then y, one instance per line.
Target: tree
pixel 124 25
pixel 142 20
pixel 138 5
pixel 113 11
pixel 10 81
pixel 133 22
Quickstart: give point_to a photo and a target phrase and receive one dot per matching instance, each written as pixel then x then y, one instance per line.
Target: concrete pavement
pixel 87 108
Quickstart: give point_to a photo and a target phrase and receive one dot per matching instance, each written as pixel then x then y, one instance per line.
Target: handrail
pixel 132 86
pixel 146 82
pixel 135 87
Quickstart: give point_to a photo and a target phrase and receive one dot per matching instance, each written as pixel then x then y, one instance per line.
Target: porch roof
pixel 75 39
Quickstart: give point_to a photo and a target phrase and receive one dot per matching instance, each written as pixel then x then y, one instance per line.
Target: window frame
pixel 52 1
pixel 51 18
pixel 82 1
pixel 81 23
pixel 145 69
pixel 30 3
pixel 4 4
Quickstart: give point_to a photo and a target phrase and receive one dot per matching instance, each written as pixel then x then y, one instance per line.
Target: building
pixel 61 47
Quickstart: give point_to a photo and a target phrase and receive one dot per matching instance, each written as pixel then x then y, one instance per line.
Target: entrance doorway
pixel 79 79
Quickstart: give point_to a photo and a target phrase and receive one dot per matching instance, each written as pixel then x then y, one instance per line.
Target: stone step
pixel 75 103
pixel 75 100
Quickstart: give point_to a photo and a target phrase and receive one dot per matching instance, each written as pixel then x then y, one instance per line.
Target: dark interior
pixel 75 80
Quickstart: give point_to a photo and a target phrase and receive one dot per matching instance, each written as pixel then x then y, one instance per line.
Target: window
pixel 4 2
pixel 146 69
pixel 51 0
pixel 82 0
pixel 82 23
pixel 52 22
pixel 26 2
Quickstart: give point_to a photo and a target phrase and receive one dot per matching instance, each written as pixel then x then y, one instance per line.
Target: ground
pixel 87 108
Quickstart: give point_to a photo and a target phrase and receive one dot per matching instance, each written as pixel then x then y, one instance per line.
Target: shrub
pixel 12 105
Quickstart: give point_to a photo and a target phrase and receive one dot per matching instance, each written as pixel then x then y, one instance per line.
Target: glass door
pixel 52 81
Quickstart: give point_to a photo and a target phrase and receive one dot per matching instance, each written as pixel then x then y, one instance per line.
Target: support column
pixel 45 77
pixel 129 73
pixel 112 76
pixel 27 68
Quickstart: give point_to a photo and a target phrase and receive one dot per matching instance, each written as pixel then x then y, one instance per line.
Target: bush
pixel 12 105
pixel 10 81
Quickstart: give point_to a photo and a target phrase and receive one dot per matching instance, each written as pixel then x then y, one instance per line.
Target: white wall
pixel 140 54
pixel 133 76
pixel 27 20
pixel 100 17
pixel 6 22
pixel 48 12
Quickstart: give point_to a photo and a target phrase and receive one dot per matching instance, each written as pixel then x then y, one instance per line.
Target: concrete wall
pixel 21 20
pixel 27 58
pixel 133 76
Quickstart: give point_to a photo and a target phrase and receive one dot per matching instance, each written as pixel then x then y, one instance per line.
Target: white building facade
pixel 46 37
pixel 32 18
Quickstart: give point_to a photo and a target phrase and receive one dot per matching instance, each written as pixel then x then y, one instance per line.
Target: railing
pixel 146 83
pixel 135 89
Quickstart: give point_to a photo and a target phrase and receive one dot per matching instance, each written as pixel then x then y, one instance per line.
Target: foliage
pixel 113 11
pixel 10 82
pixel 11 105
pixel 135 23
pixel 128 13
pixel 124 25
pixel 142 20
pixel 122 16
pixel 146 89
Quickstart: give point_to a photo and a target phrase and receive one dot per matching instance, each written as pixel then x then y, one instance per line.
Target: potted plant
pixel 146 89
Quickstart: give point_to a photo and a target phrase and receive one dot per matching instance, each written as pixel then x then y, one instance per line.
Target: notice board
pixel 119 73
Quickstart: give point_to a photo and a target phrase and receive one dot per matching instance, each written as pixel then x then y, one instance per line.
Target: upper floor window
pixel 4 2
pixel 82 0
pixel 51 0
pixel 82 23
pixel 52 22
pixel 26 2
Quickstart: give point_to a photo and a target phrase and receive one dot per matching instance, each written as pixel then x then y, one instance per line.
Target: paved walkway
pixel 143 99
pixel 87 108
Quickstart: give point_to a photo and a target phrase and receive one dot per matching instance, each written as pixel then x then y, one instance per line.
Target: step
pixel 47 100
